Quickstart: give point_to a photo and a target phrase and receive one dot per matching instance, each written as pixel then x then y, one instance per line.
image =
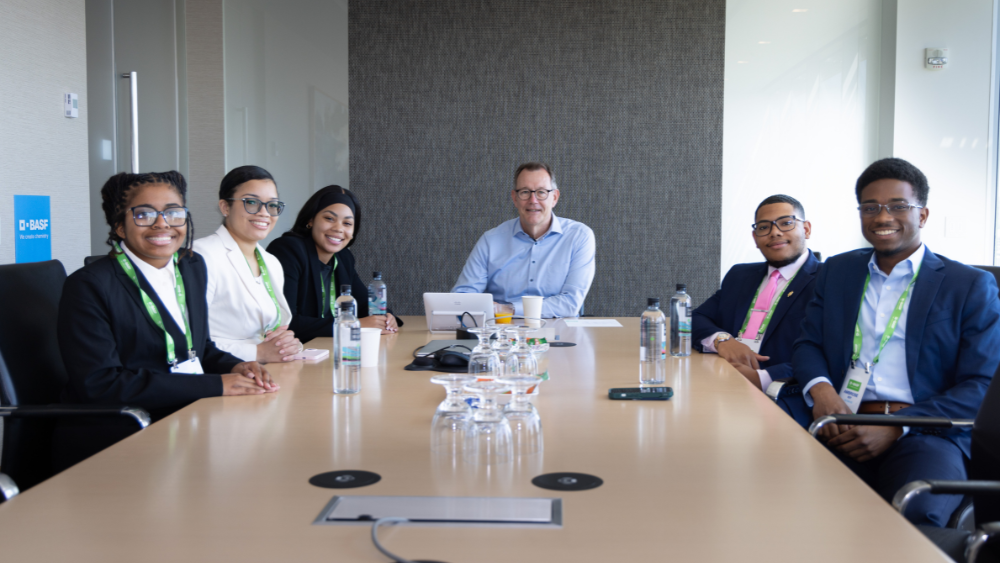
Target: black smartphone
pixel 641 393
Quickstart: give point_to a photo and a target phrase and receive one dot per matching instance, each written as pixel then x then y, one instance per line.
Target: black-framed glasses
pixel 540 195
pixel 897 209
pixel 784 224
pixel 145 216
pixel 252 205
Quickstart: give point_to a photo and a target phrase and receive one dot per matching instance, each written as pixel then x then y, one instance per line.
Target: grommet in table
pixel 347 479
pixel 567 481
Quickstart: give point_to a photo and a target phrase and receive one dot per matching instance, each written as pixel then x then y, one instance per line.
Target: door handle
pixel 134 94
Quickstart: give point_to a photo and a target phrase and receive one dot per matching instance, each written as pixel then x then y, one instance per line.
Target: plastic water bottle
pixel 347 350
pixel 652 344
pixel 376 295
pixel 680 322
pixel 346 297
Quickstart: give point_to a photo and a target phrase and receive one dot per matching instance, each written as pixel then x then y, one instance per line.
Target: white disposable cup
pixel 370 339
pixel 532 309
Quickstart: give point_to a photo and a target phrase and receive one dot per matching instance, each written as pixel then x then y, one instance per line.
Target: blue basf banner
pixel 32 228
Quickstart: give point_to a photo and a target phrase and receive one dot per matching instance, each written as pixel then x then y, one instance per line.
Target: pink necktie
pixel 762 306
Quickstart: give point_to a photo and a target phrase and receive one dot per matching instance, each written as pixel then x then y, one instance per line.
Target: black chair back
pixel 985 463
pixel 29 298
pixel 995 270
pixel 31 367
pixel 91 259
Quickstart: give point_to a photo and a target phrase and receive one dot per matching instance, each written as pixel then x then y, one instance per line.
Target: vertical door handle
pixel 134 91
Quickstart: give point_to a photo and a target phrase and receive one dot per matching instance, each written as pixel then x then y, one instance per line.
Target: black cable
pixel 461 319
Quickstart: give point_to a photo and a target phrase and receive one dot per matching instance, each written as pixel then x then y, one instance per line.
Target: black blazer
pixel 115 354
pixel 303 284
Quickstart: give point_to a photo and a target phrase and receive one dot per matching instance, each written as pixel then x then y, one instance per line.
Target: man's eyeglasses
pixel 540 195
pixel 784 224
pixel 252 205
pixel 146 216
pixel 896 209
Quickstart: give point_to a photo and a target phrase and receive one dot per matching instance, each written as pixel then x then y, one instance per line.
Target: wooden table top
pixel 718 473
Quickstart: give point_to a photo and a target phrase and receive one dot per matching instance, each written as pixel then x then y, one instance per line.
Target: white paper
pixel 592 323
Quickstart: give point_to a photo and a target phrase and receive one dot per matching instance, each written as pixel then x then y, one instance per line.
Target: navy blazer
pixel 952 334
pixel 726 310
pixel 115 353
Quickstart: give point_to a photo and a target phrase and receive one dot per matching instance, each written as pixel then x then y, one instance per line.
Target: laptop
pixel 445 311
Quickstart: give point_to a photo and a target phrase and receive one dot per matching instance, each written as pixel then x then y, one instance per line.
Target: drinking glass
pixel 452 416
pixel 484 363
pixel 487 436
pixel 502 344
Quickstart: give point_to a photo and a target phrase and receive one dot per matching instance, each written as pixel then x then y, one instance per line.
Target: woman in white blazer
pixel 248 315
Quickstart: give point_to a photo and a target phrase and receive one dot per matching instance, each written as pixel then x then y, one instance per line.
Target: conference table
pixel 717 473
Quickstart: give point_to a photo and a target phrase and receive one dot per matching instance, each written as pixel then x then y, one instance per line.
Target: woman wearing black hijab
pixel 316 260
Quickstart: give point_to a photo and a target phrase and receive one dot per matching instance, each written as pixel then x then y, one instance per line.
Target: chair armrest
pixel 774 389
pixel 48 411
pixel 889 420
pixel 980 538
pixel 910 490
pixel 8 489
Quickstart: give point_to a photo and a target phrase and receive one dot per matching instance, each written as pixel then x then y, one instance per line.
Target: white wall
pixel 43 55
pixel 942 120
pixel 801 115
pixel 282 57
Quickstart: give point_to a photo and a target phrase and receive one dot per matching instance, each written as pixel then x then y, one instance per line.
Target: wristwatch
pixel 722 337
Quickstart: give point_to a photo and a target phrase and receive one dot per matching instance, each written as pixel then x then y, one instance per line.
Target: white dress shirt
pixel 786 274
pixel 240 310
pixel 163 283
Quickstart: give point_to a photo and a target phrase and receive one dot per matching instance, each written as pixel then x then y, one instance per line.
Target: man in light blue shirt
pixel 535 254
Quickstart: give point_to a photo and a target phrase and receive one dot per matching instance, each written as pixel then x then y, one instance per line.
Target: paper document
pixel 592 323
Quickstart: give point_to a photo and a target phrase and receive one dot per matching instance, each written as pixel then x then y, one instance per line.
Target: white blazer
pixel 239 308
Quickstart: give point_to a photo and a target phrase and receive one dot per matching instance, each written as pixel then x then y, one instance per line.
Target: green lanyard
pixel 770 312
pixel 889 328
pixel 266 278
pixel 154 312
pixel 329 302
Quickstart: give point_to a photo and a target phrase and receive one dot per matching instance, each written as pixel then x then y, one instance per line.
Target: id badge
pixel 752 344
pixel 189 367
pixel 855 383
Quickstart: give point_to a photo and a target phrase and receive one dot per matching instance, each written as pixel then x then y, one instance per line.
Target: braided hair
pixel 118 190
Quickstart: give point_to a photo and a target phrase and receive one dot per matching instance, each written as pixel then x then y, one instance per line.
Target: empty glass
pixel 487 437
pixel 452 416
pixel 502 344
pixel 484 363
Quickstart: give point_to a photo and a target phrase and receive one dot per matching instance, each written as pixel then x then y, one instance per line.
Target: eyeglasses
pixel 540 195
pixel 252 205
pixel 146 216
pixel 784 224
pixel 898 209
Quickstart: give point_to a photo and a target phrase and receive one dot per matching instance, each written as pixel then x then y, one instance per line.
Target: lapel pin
pixel 790 294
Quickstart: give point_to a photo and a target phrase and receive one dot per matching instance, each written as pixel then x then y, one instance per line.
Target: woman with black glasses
pixel 248 314
pixel 133 326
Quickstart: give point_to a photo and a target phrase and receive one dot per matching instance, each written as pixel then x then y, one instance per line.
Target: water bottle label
pixel 663 342
pixel 380 300
pixel 350 347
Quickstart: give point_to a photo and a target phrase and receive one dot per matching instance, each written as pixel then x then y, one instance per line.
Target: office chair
pixel 88 260
pixel 32 374
pixel 975 538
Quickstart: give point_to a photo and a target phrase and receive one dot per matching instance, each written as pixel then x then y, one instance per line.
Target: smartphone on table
pixel 640 393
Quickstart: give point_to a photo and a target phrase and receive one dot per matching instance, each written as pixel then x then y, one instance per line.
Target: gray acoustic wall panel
pixel 622 98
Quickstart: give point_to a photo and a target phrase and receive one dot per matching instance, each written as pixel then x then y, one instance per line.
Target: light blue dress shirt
pixel 559 266
pixel 889 380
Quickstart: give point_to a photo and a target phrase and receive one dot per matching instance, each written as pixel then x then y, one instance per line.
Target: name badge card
pixel 188 367
pixel 752 344
pixel 855 383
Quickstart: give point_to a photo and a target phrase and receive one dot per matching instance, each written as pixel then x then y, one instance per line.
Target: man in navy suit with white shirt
pixel 754 318
pixel 899 330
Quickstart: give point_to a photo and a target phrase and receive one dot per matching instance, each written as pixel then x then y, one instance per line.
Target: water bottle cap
pixel 377 275
pixel 682 287
pixel 345 290
pixel 650 301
